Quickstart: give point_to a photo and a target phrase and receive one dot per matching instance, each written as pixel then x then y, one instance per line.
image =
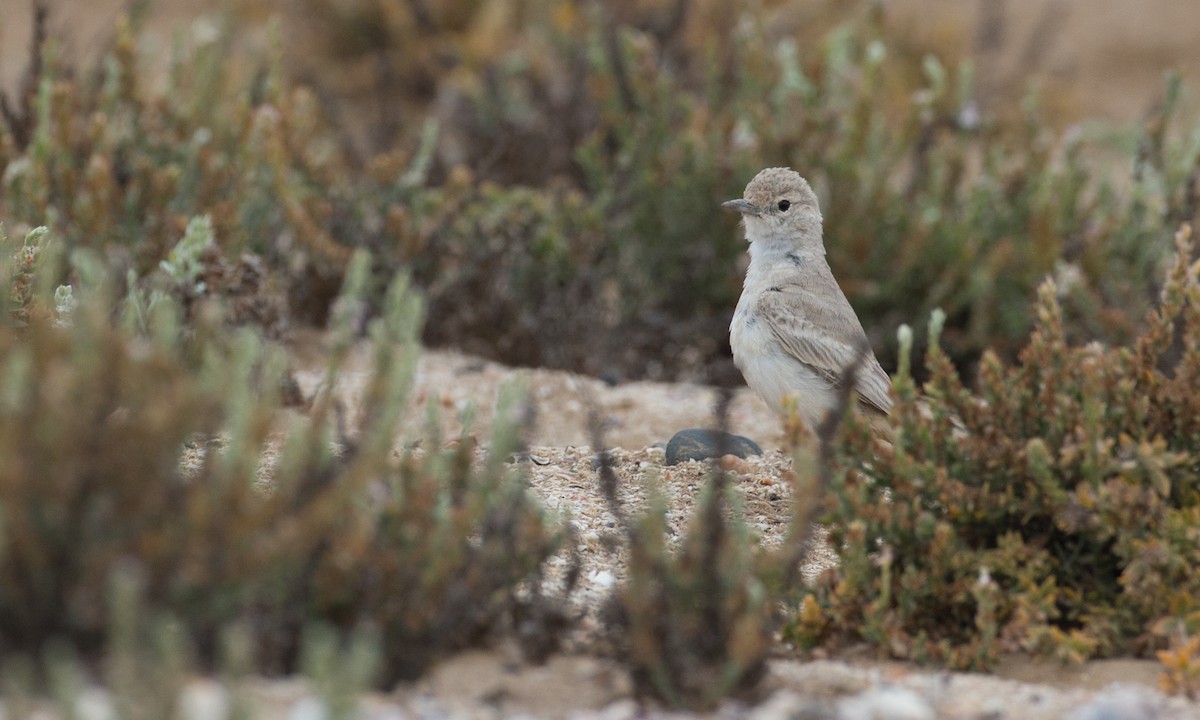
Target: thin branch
pixel 19 116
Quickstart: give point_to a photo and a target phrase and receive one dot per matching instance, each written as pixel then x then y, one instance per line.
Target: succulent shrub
pixel 693 624
pixel 571 175
pixel 165 454
pixel 942 209
pixel 113 165
pixel 1054 510
pixel 695 621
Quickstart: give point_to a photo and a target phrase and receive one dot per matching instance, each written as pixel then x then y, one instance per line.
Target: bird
pixel 794 333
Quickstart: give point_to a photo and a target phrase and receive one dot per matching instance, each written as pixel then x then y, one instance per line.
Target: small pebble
pixel 204 700
pixel 886 703
pixel 309 708
pixel 735 463
pixel 626 709
pixel 603 578
pixel 94 704
pixel 789 705
pixel 1120 702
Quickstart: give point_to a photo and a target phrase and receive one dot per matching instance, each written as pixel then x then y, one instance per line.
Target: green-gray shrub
pixel 148 451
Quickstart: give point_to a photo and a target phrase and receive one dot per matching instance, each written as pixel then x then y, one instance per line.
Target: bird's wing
pixel 825 336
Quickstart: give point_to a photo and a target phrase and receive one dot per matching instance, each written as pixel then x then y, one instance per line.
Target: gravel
pixel 639 418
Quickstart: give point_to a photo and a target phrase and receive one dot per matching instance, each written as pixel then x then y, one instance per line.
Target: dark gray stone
pixel 701 444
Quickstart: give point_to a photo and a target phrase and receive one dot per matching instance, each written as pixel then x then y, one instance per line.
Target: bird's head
pixel 778 202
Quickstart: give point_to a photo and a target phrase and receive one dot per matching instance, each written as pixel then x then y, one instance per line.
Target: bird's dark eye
pixel 784 205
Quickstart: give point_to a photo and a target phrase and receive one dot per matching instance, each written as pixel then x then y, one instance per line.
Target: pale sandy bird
pixel 794 333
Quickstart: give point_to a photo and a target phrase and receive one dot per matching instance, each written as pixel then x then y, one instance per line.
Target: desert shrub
pixel 693 625
pixel 20 267
pixel 123 169
pixel 510 270
pixel 925 205
pixel 695 622
pixel 117 166
pixel 568 171
pixel 927 202
pixel 164 454
pixel 148 672
pixel 1181 665
pixel 1060 517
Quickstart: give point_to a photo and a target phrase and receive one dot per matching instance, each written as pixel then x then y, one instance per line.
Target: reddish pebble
pixel 735 463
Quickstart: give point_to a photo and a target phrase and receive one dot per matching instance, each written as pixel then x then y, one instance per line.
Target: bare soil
pixel 581 684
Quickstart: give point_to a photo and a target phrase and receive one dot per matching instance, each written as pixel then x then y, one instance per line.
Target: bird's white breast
pixel 770 371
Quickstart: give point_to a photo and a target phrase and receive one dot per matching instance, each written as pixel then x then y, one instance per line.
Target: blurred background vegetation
pixel 550 172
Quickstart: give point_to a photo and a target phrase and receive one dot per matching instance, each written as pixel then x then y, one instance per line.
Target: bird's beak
pixel 745 207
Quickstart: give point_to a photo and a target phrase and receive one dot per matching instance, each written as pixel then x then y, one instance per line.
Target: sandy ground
pixel 485 685
pixel 639 417
pixel 494 683
pixel 637 414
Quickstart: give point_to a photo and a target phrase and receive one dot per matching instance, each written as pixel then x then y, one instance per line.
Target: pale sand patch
pixel 494 683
